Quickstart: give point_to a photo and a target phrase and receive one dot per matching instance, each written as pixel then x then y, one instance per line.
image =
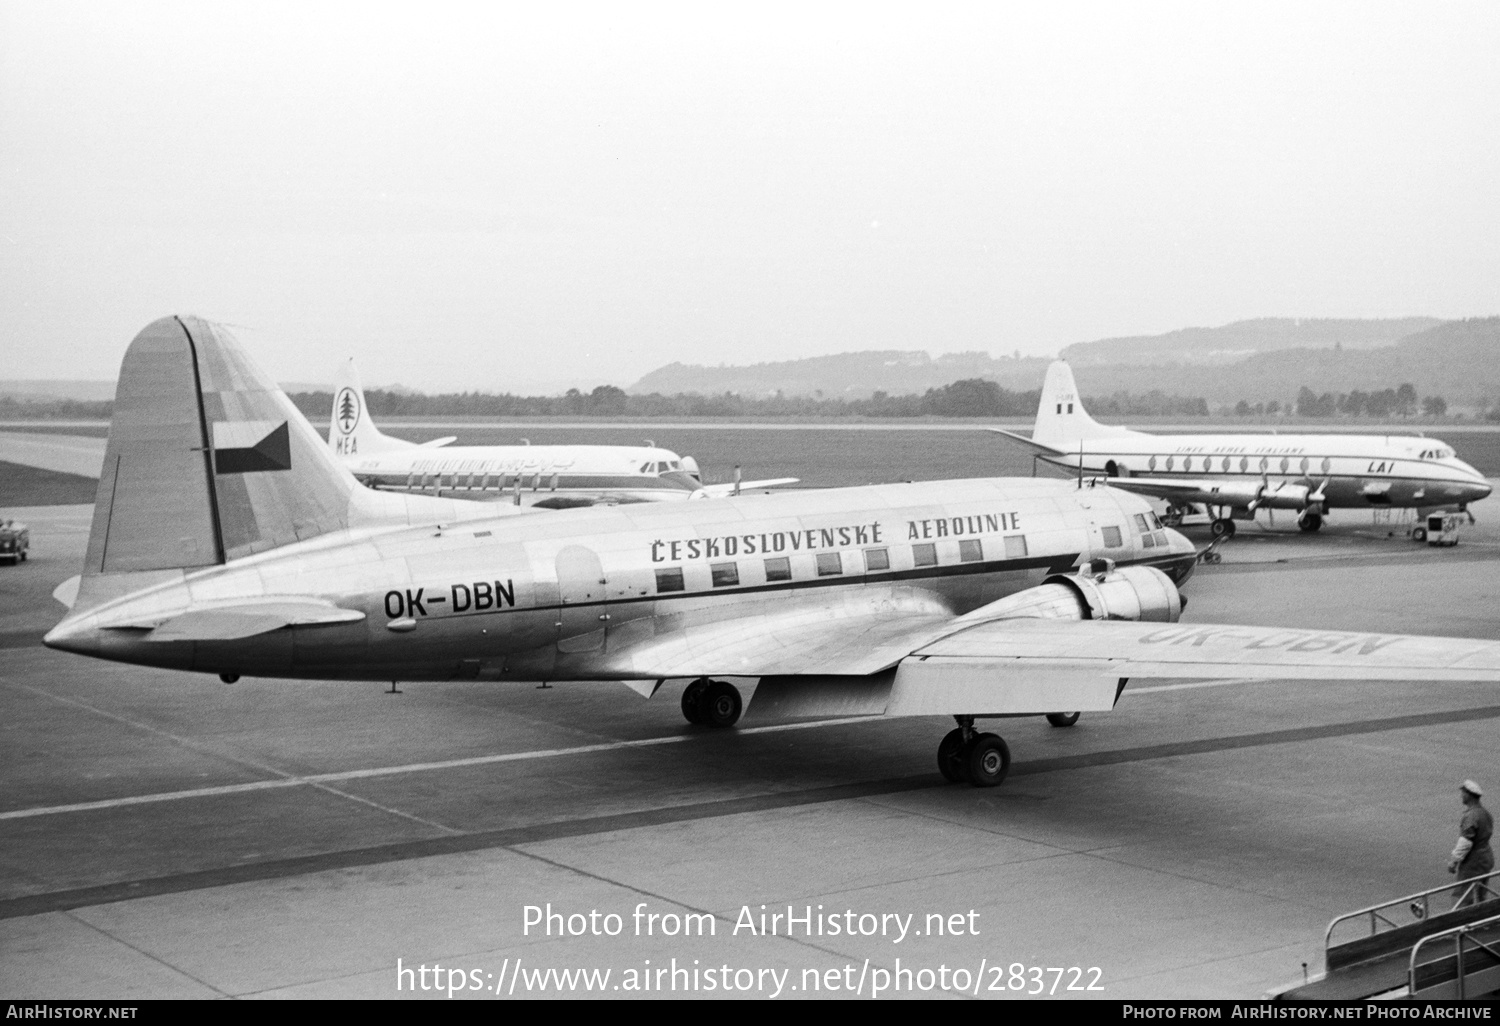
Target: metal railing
pixel 1404 911
pixel 1473 964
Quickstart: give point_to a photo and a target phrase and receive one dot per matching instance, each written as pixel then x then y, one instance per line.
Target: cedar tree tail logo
pixel 272 452
pixel 348 406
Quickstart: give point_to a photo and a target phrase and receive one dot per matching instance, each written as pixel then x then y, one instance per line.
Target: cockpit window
pixel 661 467
pixel 675 465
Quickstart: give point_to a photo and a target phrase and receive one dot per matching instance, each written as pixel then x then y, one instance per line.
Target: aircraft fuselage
pixel 582 594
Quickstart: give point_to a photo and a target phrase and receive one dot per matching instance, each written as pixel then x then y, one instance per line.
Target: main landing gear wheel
pixel 1310 522
pixel 951 757
pixel 1222 528
pixel 1062 719
pixel 692 700
pixel 988 760
pixel 720 705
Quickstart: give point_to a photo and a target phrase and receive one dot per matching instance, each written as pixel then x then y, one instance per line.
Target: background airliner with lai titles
pixel 1234 475
pixel 227 539
pixel 545 476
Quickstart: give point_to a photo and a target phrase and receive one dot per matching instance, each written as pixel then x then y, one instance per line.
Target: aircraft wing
pixel 915 660
pixel 1214 491
pixel 721 491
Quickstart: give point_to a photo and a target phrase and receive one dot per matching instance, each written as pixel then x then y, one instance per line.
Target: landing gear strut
pixel 711 703
pixel 981 759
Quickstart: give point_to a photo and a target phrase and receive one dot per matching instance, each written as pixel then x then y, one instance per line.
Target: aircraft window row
pixel 831 564
pixel 1112 539
pixel 476 482
pixel 1226 464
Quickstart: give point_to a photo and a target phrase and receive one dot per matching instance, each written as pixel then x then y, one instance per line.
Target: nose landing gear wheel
pixel 951 757
pixel 692 700
pixel 721 704
pixel 1062 719
pixel 988 760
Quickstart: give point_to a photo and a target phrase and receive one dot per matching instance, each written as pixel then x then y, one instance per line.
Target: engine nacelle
pixel 1097 592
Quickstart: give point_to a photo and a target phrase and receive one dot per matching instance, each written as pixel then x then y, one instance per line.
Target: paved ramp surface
pixel 162 834
pixel 64 454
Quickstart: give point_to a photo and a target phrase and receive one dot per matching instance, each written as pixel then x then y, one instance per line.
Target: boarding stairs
pixel 1440 944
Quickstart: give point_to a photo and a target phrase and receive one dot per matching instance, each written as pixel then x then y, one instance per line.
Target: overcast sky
pixel 531 197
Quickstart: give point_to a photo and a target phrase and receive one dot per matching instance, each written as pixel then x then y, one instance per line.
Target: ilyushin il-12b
pixel 227 539
pixel 545 476
pixel 1235 475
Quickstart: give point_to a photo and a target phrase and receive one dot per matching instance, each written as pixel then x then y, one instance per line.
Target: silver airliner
pixel 1235 475
pixel 227 539
pixel 545 476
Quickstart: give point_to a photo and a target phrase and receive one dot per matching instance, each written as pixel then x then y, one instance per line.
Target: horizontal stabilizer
pixel 1029 442
pixel 228 623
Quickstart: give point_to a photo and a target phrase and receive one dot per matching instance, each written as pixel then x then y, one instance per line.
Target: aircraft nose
pixel 1183 559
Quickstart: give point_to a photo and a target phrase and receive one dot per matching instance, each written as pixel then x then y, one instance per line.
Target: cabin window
pixel 970 550
pixel 1059 407
pixel 1070 407
pixel 726 575
pixel 1140 523
pixel 830 564
pixel 924 554
pixel 1265 464
pixel 553 485
pixel 1151 463
pixel 1015 546
pixel 1244 464
pixel 779 569
pixel 669 580
pixel 877 559
pixel 1304 464
pixel 484 483
pixel 1327 464
pixel 1170 461
pixel 468 482
pixel 1112 539
pixel 1285 463
pixel 410 480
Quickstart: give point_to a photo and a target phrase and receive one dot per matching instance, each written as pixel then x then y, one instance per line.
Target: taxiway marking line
pixel 512 837
pixel 315 779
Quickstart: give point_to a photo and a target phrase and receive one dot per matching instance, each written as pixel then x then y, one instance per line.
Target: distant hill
pixel 850 375
pixel 1459 360
pixel 1258 360
pixel 1235 342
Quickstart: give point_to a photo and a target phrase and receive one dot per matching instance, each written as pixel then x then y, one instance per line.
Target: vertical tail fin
pixel 351 429
pixel 208 461
pixel 1061 420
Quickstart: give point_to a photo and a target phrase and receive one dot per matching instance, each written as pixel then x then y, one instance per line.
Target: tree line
pixel 970 397
pixel 1389 402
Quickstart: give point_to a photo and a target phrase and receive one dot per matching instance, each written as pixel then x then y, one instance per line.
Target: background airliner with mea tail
pixel 229 540
pixel 1234 475
pixel 545 476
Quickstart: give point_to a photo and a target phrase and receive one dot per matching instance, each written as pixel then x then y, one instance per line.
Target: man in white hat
pixel 1472 856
